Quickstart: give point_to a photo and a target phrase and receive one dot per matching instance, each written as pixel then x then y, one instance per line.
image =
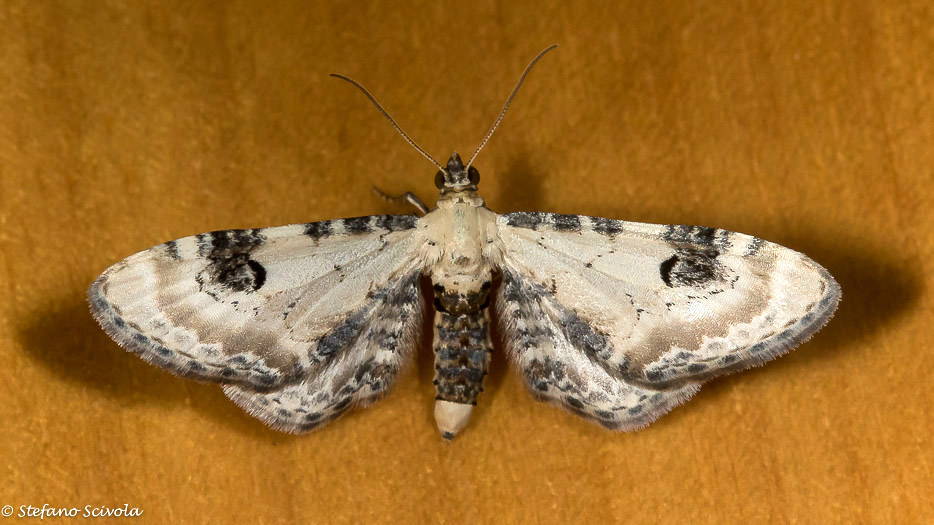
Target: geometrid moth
pixel 616 321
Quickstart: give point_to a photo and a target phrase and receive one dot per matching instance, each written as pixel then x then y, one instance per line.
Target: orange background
pixel 807 123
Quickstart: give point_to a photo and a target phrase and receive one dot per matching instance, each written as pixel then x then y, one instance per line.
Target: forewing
pixel 661 308
pixel 261 308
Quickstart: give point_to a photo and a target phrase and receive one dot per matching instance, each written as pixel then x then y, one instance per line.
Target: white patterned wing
pixel 264 309
pixel 648 311
pixel 370 349
pixel 553 350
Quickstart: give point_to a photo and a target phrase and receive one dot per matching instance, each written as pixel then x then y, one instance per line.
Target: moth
pixel 615 321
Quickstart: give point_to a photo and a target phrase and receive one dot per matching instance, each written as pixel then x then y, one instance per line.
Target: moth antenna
pixel 508 101
pixel 391 121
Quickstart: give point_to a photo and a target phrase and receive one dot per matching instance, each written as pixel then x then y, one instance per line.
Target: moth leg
pixel 408 197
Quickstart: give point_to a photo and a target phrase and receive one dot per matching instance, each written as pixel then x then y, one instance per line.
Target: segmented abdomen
pixel 462 355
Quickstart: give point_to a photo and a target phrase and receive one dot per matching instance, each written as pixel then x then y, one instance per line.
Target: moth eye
pixel 473 175
pixel 439 180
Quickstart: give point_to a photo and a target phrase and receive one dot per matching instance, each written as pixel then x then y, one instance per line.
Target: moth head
pixel 456 177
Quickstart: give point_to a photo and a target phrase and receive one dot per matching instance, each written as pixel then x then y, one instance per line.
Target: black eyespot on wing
pixel 230 267
pixel 665 269
pixel 238 273
pixel 694 268
pixel 259 274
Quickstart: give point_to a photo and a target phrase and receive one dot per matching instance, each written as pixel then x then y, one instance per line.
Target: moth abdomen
pixel 458 303
pixel 462 358
pixel 462 355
